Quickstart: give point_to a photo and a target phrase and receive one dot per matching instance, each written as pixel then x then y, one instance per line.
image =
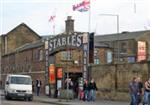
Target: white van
pixel 18 86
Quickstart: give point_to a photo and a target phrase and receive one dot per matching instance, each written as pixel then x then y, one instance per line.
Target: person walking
pixel 141 90
pixel 92 88
pixel 86 90
pixel 38 86
pixel 147 91
pixel 32 86
pixel 134 91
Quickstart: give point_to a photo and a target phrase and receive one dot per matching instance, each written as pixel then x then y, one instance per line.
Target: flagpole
pixel 54 28
pixel 134 7
pixel 89 25
pixel 89 29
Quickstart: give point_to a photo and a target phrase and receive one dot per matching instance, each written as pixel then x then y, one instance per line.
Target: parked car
pixel 18 86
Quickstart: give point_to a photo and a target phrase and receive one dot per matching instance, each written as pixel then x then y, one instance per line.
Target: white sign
pixel 70 40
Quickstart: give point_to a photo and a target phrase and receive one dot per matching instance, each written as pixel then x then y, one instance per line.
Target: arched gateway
pixel 75 48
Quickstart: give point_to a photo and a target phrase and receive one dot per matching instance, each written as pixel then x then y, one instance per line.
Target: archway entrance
pixel 66 43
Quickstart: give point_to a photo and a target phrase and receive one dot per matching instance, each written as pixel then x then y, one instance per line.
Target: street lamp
pixel 117 18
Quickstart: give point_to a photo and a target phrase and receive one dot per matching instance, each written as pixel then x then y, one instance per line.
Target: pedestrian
pixel 69 87
pixel 86 90
pixel 38 86
pixel 141 90
pixel 92 88
pixel 76 88
pixel 134 91
pixel 32 86
pixel 147 91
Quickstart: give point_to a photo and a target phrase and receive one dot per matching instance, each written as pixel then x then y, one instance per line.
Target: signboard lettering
pixel 71 40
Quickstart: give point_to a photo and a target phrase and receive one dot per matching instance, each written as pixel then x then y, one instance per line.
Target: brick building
pixel 17 37
pixel 23 52
pixel 126 47
pixel 19 51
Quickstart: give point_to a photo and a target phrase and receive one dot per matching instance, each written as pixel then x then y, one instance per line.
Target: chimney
pixel 69 25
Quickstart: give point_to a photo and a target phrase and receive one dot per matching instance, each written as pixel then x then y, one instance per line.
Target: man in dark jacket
pixel 86 90
pixel 134 91
pixel 38 86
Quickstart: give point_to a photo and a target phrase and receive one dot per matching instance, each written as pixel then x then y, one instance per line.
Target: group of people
pixel 139 92
pixel 89 91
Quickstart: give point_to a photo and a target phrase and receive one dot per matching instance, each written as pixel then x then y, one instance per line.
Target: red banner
pixel 52 78
pixel 59 73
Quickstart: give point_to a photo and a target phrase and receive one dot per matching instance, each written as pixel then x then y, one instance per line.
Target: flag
pixel 52 18
pixel 82 7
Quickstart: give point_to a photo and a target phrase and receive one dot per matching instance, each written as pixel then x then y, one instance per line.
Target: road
pixel 44 100
pixel 22 102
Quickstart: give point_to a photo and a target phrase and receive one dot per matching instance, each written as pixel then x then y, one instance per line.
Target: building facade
pixel 24 52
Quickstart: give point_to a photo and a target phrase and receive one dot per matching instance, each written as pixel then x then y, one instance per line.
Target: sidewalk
pixel 46 99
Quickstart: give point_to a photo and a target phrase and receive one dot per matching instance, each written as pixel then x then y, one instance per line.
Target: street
pixel 45 100
pixel 48 101
pixel 21 102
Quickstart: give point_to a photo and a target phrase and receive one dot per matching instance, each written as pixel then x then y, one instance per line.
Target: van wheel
pixel 30 98
pixel 7 97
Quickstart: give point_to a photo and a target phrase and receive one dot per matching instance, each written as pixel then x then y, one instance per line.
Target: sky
pixel 133 15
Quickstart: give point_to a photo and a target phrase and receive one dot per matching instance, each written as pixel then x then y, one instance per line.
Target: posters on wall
pixel 109 57
pixel 141 52
pixel 52 78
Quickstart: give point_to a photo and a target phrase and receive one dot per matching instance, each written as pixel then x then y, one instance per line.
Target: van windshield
pixel 21 80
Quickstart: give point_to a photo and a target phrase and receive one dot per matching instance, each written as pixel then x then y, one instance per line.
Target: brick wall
pixel 112 80
pixel 25 62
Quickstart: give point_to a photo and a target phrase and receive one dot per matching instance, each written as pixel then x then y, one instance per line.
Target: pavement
pixel 55 101
pixel 46 99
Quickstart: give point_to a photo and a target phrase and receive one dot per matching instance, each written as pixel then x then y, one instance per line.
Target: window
pixel 66 55
pixel 21 80
pixel 40 55
pixel 123 47
pixel 96 61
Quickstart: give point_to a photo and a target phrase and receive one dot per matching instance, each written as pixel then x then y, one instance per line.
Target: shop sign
pixel 62 41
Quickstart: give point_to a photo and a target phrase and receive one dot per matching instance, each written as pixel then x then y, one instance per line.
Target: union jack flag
pixel 82 7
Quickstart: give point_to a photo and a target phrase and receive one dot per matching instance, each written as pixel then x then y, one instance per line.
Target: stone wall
pixel 112 80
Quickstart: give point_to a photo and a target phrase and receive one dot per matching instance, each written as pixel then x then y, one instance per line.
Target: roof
pixel 47 37
pixel 30 45
pixel 99 45
pixel 23 24
pixel 26 47
pixel 120 36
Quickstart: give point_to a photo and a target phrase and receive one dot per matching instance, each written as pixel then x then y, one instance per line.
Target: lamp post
pixel 117 19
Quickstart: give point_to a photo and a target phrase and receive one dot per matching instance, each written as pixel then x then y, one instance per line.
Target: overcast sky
pixel 133 15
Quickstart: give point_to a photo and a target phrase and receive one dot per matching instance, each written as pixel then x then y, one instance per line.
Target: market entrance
pixel 67 54
pixel 77 80
pixel 74 76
